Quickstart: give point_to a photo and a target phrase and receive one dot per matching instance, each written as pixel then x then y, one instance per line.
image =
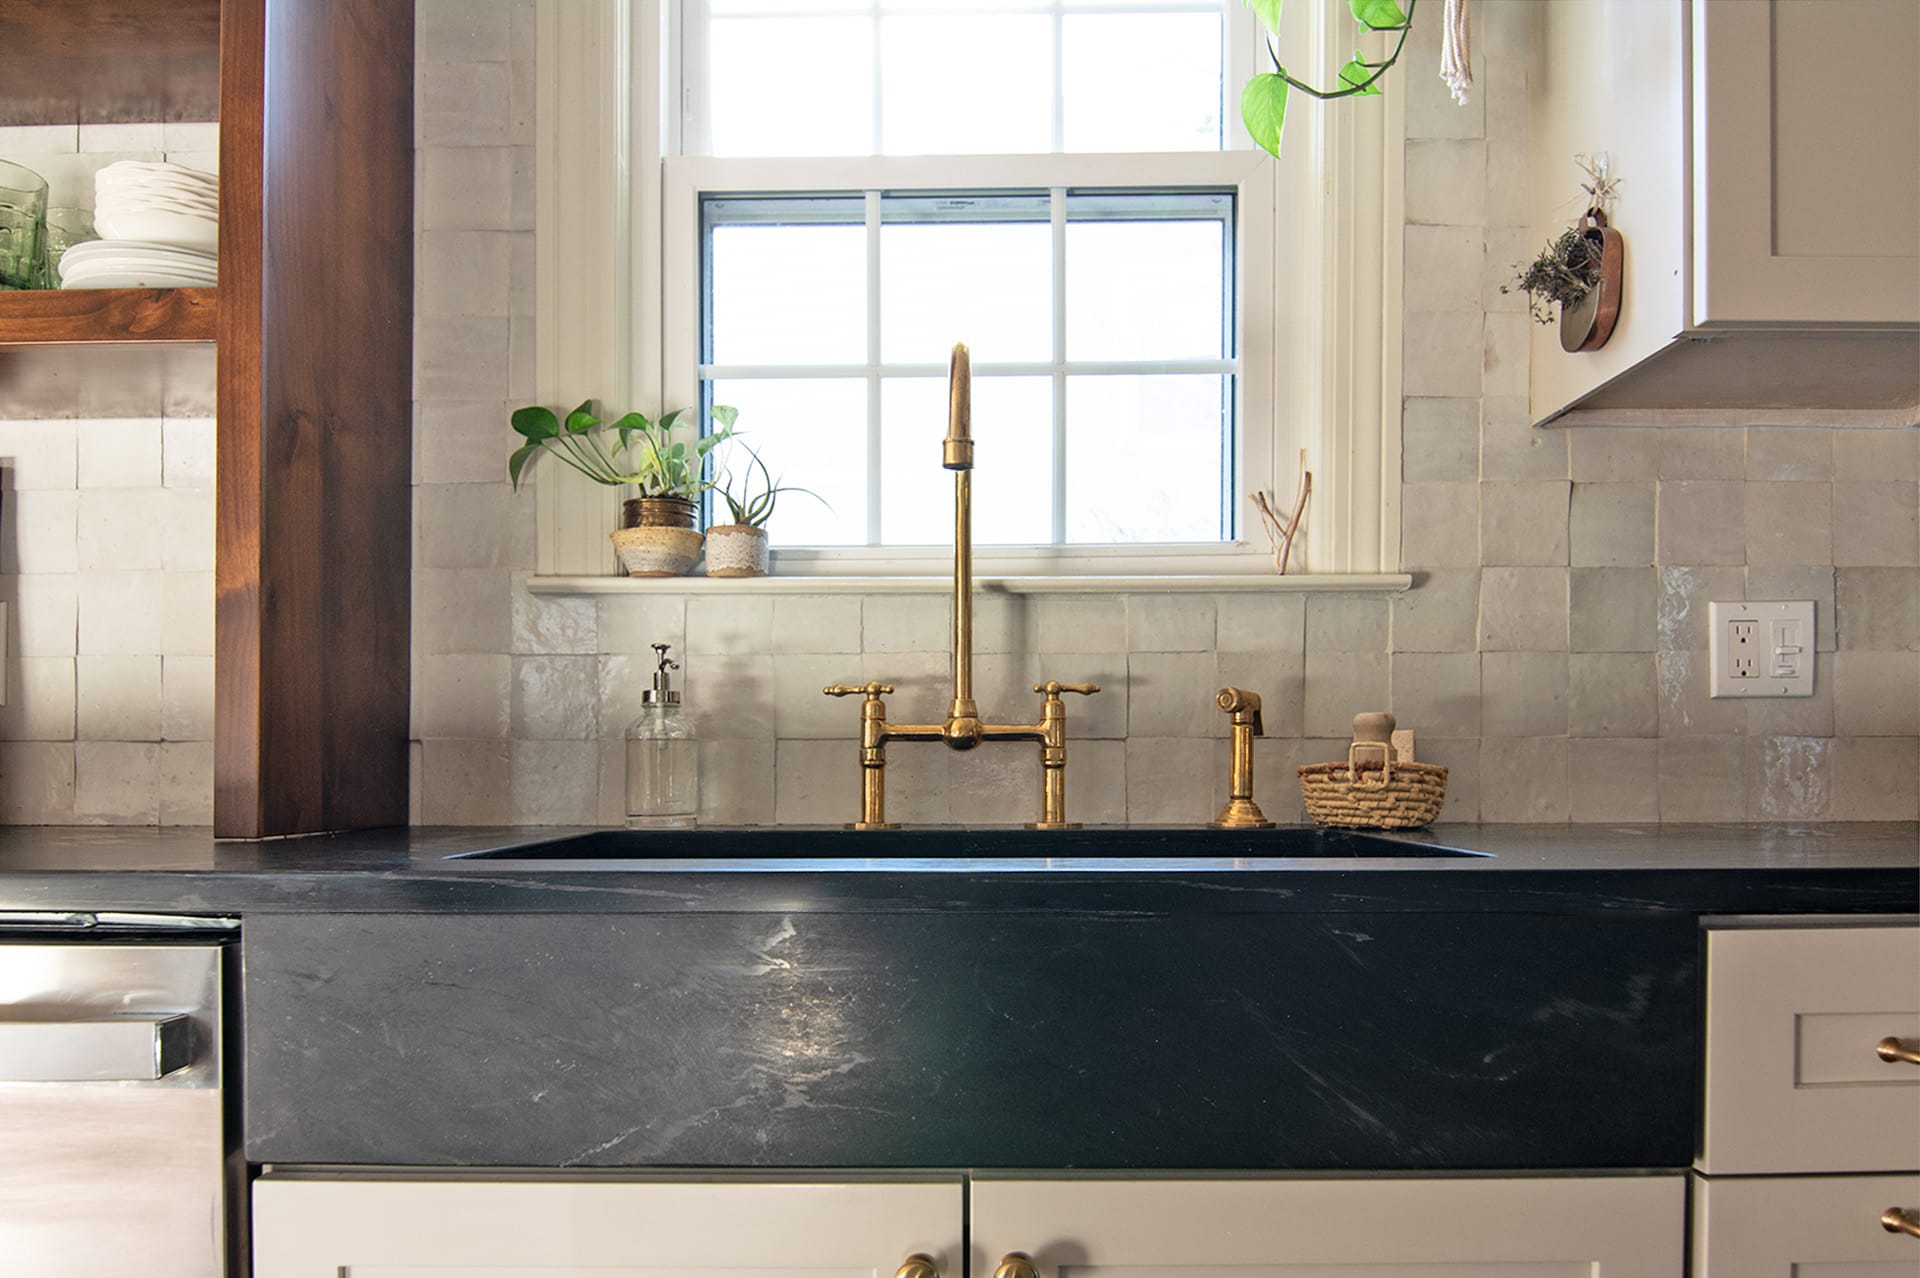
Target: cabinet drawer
pixel 1802 1227
pixel 322 1226
pixel 1793 1081
pixel 1362 1227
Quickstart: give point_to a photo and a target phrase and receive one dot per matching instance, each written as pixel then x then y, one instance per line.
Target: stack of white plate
pixel 135 264
pixel 159 227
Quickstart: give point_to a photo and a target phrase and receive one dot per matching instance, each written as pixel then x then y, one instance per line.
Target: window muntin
pixel 1104 394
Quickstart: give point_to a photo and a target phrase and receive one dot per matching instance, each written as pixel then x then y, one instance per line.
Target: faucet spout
pixel 957 450
pixel 962 730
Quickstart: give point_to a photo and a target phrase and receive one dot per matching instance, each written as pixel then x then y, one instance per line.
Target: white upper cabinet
pixel 1806 193
pixel 1766 152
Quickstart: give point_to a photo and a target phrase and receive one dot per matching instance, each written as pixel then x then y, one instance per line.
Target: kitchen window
pixel 810 233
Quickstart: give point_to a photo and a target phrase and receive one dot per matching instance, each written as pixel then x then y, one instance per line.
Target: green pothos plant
pixel 1263 103
pixel 643 452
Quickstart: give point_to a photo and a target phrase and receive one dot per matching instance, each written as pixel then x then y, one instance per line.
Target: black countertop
pixel 984 998
pixel 1520 868
pixel 1534 1007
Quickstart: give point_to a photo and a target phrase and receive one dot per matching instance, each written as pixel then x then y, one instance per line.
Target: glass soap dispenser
pixel 663 758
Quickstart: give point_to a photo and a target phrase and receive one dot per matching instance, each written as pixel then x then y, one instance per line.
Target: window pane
pixel 814 434
pixel 989 284
pixel 1147 458
pixel 960 76
pixel 1152 290
pixel 790 86
pixel 787 294
pixel 1013 462
pixel 966 84
pixel 1142 82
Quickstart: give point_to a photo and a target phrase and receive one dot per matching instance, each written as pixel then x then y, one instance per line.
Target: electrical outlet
pixel 1760 648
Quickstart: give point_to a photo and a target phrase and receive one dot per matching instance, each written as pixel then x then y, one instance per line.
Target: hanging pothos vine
pixel 1263 103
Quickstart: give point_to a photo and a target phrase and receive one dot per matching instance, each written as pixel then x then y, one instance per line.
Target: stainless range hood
pixel 1818 379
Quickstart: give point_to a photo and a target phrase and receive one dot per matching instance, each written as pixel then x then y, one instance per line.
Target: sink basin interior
pixel 955 842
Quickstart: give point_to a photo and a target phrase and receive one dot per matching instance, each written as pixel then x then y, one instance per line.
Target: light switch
pixel 1761 648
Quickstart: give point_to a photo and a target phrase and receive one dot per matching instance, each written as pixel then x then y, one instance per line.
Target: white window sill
pixel 1116 584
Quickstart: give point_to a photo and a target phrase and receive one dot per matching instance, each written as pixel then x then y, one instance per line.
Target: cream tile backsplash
pixel 1551 653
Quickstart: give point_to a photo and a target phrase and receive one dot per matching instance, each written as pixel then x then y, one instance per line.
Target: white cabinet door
pixel 1590 1227
pixel 1794 1079
pixel 1805 183
pixel 313 1227
pixel 1802 1227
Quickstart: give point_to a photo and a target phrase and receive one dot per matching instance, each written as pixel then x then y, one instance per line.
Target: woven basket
pixel 1373 794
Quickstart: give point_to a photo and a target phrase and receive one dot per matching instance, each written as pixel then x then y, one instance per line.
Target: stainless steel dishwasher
pixel 114 1155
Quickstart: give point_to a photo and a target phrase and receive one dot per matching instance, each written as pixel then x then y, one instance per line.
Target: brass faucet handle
pixel 871 691
pixel 1053 688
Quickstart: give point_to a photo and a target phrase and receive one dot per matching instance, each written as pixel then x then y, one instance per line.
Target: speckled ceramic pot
pixel 737 550
pixel 657 552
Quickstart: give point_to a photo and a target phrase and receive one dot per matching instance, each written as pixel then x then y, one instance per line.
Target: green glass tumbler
pixel 23 227
pixel 65 228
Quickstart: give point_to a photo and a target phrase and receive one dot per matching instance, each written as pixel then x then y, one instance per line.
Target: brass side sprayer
pixel 1241 812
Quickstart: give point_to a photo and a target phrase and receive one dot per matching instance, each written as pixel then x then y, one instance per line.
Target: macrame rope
pixel 1456 50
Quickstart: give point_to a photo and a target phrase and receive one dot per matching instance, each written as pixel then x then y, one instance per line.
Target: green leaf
pixel 518 462
pixel 1268 11
pixel 1380 15
pixel 1263 105
pixel 628 426
pixel 580 420
pixel 1355 74
pixel 726 415
pixel 536 423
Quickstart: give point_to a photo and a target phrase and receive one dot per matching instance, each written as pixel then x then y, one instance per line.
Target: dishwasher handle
pixel 112 1049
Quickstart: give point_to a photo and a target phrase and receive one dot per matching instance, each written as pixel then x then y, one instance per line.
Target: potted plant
pixel 657 535
pixel 739 549
pixel 1577 279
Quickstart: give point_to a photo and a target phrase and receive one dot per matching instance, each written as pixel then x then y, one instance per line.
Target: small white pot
pixel 737 550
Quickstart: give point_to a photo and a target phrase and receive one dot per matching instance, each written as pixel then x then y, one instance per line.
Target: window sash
pixel 689 132
pixel 1248 175
pixel 1058 209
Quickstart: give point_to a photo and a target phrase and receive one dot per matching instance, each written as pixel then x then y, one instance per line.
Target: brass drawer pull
pixel 1016 1264
pixel 1893 1049
pixel 918 1265
pixel 1896 1221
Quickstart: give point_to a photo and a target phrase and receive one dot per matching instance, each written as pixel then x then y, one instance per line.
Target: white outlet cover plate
pixel 1782 648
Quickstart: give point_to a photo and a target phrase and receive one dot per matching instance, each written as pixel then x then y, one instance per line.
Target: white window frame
pixel 616 248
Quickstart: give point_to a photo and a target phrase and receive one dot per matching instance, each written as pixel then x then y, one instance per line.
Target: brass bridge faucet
pixel 962 729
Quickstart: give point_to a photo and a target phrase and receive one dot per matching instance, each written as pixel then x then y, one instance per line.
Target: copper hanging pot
pixel 1587 324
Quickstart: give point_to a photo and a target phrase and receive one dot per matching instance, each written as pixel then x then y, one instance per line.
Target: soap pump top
pixel 662 692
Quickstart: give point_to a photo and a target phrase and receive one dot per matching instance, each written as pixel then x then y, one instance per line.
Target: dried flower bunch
pixel 1564 273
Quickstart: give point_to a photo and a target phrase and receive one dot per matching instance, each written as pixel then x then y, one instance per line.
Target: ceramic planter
pixel 659 539
pixel 736 550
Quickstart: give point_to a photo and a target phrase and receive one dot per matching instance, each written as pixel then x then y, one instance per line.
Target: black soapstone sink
pixel 603 848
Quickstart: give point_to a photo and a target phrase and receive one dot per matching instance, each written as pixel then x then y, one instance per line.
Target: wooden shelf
pixel 109 61
pixel 64 316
